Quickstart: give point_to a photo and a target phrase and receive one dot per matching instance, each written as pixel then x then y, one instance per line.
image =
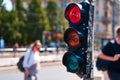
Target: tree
pixel 56 17
pixel 51 10
pixel 63 24
pixel 13 24
pixel 8 24
pixel 36 20
pixel 21 12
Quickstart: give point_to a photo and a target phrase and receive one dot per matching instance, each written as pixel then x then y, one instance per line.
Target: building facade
pixel 106 19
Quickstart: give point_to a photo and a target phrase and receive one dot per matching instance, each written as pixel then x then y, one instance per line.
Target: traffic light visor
pixel 73 38
pixel 70 60
pixel 73 13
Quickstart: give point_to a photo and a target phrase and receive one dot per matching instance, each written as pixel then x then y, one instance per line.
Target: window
pixel 97 27
pixel 97 14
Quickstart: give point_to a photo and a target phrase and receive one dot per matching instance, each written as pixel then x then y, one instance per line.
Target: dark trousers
pixel 113 75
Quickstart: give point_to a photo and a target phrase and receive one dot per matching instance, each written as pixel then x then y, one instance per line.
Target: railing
pixel 24 49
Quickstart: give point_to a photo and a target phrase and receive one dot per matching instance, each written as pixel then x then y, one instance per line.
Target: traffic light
pixel 76 37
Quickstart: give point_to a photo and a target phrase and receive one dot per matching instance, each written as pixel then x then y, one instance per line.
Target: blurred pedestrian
pixel 31 61
pixel 57 49
pixel 111 52
pixel 1 44
pixel 29 47
pixel 16 45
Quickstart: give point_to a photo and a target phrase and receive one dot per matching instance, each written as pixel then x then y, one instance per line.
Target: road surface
pixel 56 72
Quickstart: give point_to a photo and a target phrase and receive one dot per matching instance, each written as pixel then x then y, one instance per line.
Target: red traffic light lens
pixel 73 13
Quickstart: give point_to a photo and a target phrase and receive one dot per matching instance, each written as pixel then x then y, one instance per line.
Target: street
pixel 51 69
pixel 53 72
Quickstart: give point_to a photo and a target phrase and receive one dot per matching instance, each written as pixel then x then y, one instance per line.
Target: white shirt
pixel 31 58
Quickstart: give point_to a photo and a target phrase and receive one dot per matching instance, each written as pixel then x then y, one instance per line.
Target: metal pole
pixel 57 25
pixel 89 65
pixel 113 19
pixel 43 39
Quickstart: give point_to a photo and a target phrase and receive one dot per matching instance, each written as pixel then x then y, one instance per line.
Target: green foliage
pixel 61 21
pixel 56 17
pixel 51 10
pixel 21 18
pixel 9 27
pixel 26 25
pixel 20 10
pixel 36 20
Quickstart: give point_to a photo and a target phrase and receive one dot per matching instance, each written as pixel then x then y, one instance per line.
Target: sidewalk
pixel 10 63
pixel 45 58
pixel 98 74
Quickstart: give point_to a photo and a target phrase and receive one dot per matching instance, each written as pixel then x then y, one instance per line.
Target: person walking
pixel 16 45
pixel 31 61
pixel 111 52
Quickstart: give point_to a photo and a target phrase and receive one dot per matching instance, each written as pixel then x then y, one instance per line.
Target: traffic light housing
pixel 76 37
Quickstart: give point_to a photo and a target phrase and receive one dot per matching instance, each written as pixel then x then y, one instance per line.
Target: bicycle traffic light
pixel 76 37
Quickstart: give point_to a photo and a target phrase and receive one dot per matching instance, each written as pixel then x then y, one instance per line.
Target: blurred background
pixel 24 21
pixel 28 20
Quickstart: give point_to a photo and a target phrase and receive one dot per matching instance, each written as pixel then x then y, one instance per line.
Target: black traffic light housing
pixel 76 37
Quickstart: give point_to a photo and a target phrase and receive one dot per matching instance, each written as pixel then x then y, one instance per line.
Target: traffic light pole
pixel 113 19
pixel 89 65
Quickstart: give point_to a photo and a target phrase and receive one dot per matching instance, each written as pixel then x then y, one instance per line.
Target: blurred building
pixel 103 21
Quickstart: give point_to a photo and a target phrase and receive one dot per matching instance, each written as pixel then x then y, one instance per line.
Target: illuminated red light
pixel 73 13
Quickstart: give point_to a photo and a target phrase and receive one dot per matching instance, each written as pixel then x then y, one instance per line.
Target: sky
pixel 8 4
